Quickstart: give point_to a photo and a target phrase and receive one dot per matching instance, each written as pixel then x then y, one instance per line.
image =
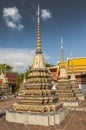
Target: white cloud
pixel 20 27
pixel 18 64
pixel 45 14
pixel 13 18
pixel 20 59
pixel 46 57
pixel 11 24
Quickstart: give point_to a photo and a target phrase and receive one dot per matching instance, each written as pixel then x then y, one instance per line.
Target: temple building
pixel 79 70
pixel 64 87
pixel 37 103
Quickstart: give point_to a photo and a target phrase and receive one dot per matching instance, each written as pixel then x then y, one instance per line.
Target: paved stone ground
pixel 76 120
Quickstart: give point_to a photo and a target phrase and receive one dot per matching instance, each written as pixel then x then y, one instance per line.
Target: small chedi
pixel 38 102
pixel 75 86
pixel 4 87
pixel 64 88
pixel 22 84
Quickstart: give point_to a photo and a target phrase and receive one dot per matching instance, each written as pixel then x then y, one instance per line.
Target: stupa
pixel 38 103
pixel 23 83
pixel 24 80
pixel 75 86
pixel 4 87
pixel 64 88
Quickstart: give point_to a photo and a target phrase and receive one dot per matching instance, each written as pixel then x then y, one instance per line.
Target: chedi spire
pixel 38 45
pixel 62 52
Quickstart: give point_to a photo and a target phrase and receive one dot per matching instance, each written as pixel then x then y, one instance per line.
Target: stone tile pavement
pixel 76 120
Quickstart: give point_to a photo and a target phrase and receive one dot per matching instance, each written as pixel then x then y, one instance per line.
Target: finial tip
pixel 38 9
pixel 61 40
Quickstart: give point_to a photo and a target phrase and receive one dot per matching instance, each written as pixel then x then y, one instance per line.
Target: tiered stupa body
pixel 64 88
pixel 38 95
pixel 75 87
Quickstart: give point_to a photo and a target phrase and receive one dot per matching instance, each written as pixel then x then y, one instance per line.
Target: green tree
pixel 19 81
pixel 49 65
pixel 6 67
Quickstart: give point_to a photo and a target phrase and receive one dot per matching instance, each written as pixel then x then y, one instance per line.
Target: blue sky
pixel 18 28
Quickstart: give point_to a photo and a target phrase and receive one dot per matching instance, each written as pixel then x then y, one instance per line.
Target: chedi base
pixel 45 119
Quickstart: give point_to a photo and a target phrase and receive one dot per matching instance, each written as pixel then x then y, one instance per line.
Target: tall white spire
pixel 62 51
pixel 63 71
pixel 61 43
pixel 38 13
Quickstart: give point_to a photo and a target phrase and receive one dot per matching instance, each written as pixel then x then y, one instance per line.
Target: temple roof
pixel 65 64
pixel 11 78
pixel 77 62
pixel 77 65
